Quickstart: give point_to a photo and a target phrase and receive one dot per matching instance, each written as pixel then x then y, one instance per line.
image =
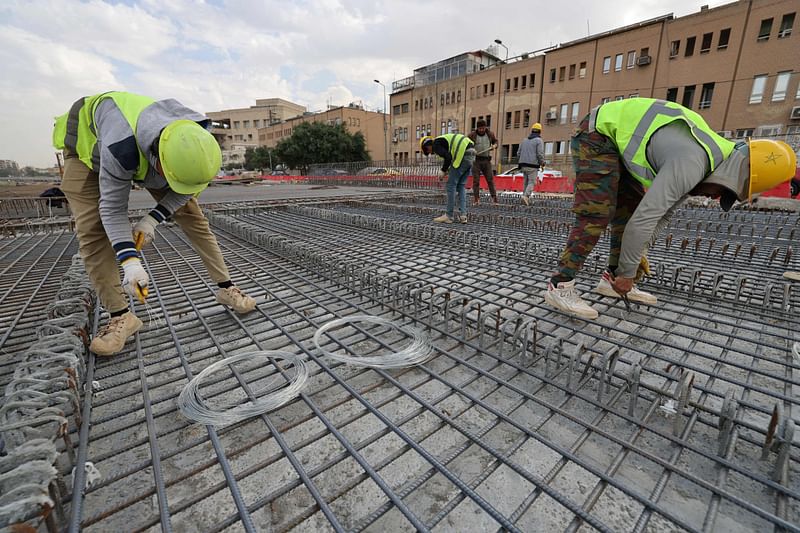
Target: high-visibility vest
pixel 458 144
pixel 75 130
pixel 630 124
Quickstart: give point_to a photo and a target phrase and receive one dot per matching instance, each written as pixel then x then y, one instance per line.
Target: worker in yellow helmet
pixel 635 161
pixel 111 140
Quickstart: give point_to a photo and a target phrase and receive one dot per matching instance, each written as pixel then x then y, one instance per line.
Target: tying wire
pixel 415 353
pixel 194 407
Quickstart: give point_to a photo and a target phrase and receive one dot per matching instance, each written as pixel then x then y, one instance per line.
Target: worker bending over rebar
pixel 635 161
pixel 110 141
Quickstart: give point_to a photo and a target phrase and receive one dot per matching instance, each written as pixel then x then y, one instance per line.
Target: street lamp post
pixel 503 112
pixel 498 41
pixel 385 129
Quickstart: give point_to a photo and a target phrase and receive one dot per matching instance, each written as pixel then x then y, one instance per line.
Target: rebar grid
pixel 524 419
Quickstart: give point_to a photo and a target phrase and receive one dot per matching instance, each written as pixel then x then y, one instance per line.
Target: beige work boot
pixel 566 298
pixel 444 219
pixel 525 200
pixel 793 276
pixel 463 219
pixel 635 295
pixel 234 298
pixel 111 338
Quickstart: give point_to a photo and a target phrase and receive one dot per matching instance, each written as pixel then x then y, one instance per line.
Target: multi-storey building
pixel 237 129
pixel 354 117
pixel 735 64
pixel 8 164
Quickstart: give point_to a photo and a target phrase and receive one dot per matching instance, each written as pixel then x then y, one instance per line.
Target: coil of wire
pixel 195 407
pixel 415 353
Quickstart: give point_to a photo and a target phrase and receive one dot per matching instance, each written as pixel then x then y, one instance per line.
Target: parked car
pixel 278 173
pixel 516 172
pixel 330 172
pixel 378 171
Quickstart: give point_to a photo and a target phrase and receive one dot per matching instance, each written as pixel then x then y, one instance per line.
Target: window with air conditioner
pixel 757 92
pixel 781 86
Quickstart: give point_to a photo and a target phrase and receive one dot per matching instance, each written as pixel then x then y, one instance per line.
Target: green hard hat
pixel 190 156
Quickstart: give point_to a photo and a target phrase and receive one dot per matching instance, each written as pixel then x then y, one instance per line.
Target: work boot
pixel 566 298
pixel 635 295
pixel 476 200
pixel 463 219
pixel 444 219
pixel 793 276
pixel 494 200
pixel 111 338
pixel 234 298
pixel 525 200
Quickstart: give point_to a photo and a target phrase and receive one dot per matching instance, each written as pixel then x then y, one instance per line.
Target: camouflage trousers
pixel 606 195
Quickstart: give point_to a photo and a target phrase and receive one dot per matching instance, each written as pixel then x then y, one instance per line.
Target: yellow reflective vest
pixel 458 144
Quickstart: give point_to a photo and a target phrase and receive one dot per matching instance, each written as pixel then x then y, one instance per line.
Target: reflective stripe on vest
pixel 75 130
pixel 458 144
pixel 659 113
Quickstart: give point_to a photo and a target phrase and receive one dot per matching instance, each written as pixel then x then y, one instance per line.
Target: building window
pixel 517 115
pixel 706 95
pixel 526 118
pixel 245 124
pixel 786 26
pixel 508 84
pixel 674 48
pixel 765 30
pixel 689 47
pixel 576 109
pixel 488 121
pixel 453 97
pixel 447 98
pixel 429 130
pixel 781 85
pixel 491 88
pixel 523 81
pixel 724 37
pixel 562 71
pixel 508 120
pixel 249 136
pixel 552 75
pixel 458 96
pixel 757 92
pixel 450 126
pixel 744 133
pixel 633 95
pixel 631 59
pixel 688 96
pixel 485 89
pixel 441 99
pixel 705 46
pixel 620 97
pixel 548 148
pixel 572 71
pixel 516 83
pixel 236 124
pixel 606 65
pixel 582 70
pixel 396 110
pixel 618 63
pixel 417 130
pixel 472 93
pixel 472 122
pixel 605 100
pixel 672 94
pixel 405 108
pixel 561 147
pixel 563 114
pixel 256 123
pixel 530 83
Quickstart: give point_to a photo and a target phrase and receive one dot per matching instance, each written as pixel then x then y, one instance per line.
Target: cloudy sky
pixel 221 54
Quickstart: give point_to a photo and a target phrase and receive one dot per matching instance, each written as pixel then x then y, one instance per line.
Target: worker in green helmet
pixel 110 141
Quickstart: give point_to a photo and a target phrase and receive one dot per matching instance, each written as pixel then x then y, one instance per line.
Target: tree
pixel 316 142
pixel 259 158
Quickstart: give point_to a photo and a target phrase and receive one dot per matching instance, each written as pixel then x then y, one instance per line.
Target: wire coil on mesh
pixel 415 353
pixel 194 406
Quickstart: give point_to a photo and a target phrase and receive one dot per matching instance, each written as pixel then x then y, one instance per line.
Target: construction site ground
pixel 674 417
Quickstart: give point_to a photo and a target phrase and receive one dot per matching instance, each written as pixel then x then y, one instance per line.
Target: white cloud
pixel 225 54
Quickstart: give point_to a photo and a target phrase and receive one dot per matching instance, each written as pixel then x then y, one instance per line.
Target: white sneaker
pixel 525 200
pixel 463 219
pixel 234 298
pixel 794 276
pixel 444 219
pixel 635 295
pixel 566 298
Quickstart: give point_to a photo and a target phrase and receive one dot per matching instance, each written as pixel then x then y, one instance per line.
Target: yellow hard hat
pixel 425 140
pixel 190 156
pixel 771 163
pixel 536 127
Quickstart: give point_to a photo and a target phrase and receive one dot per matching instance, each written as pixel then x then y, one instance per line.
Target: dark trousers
pixel 482 165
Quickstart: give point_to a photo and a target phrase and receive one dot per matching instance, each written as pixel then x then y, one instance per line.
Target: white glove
pixel 442 175
pixel 136 279
pixel 144 231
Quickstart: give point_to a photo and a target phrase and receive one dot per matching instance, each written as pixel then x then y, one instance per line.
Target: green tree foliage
pixel 316 142
pixel 259 158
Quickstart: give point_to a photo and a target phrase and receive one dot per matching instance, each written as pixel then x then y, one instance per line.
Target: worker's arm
pixel 442 149
pixel 492 137
pixel 539 145
pixel 682 164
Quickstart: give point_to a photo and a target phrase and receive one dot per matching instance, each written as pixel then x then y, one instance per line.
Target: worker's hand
pixel 144 231
pixel 442 175
pixel 642 270
pixel 136 279
pixel 622 285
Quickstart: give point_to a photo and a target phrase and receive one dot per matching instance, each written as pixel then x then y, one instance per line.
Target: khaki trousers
pixel 82 189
